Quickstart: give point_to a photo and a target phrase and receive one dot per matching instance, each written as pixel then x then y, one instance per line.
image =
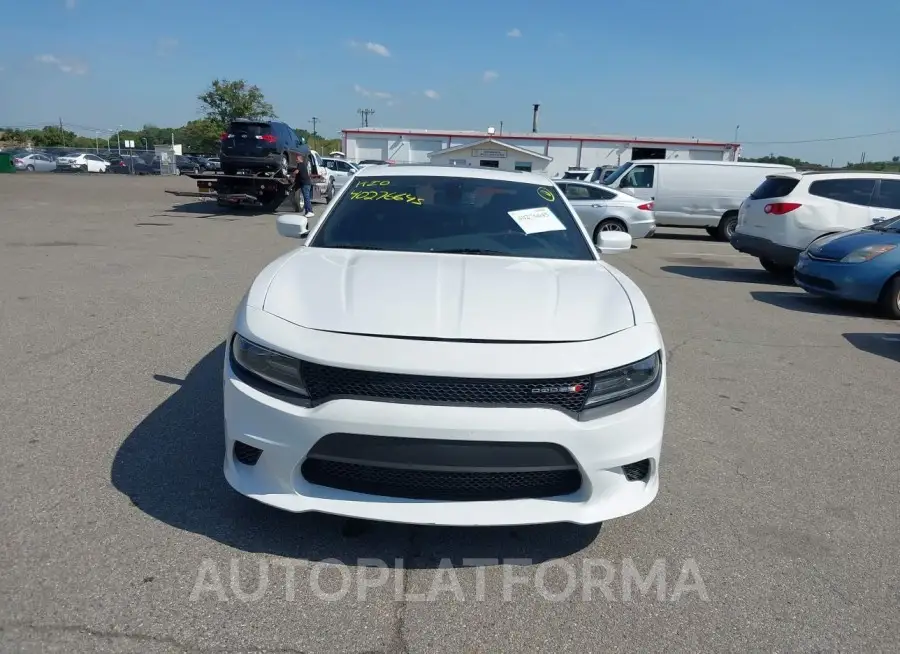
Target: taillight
pixel 268 138
pixel 781 208
pixel 223 136
pixel 17 161
pixel 647 206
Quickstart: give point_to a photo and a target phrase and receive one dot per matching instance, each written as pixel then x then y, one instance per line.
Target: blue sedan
pixel 862 265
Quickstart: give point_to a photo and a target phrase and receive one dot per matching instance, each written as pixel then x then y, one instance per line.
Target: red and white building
pixel 537 151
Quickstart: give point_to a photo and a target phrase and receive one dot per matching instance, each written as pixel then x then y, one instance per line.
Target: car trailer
pixel 267 190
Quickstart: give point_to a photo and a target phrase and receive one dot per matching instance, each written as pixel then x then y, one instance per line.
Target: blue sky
pixel 788 70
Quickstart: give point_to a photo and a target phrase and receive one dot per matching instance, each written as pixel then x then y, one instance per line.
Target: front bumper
pixel 856 282
pixel 763 248
pixel 622 434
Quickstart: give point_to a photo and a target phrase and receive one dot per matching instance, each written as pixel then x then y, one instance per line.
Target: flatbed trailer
pixel 266 190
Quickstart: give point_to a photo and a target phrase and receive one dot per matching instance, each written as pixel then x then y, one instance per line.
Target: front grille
pixel 443 485
pixel 326 383
pixel 812 280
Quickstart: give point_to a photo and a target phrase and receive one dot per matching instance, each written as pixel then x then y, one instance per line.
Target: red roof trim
pixel 541 137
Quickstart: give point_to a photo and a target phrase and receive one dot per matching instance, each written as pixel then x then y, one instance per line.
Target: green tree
pixel 895 159
pixel 226 99
pixel 201 135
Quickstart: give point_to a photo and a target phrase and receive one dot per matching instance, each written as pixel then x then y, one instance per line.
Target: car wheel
pixel 890 298
pixel 330 195
pixel 726 227
pixel 776 268
pixel 713 231
pixel 29 168
pixel 285 166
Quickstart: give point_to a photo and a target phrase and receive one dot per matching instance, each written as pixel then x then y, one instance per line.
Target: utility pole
pixel 314 120
pixel 62 134
pixel 364 116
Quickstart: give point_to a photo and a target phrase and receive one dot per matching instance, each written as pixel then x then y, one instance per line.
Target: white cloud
pixel 70 4
pixel 68 66
pixel 381 95
pixel 375 48
pixel 434 95
pixel 514 33
pixel 166 46
pixel 490 75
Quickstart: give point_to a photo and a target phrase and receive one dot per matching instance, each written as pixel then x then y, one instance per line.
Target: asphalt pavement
pixel 776 528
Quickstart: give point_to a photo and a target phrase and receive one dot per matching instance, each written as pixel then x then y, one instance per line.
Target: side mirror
pixel 614 242
pixel 292 225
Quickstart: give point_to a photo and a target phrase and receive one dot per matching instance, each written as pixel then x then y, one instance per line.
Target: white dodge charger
pixel 447 348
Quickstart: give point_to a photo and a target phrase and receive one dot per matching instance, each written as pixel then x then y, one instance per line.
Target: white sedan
pixel 448 347
pixel 88 163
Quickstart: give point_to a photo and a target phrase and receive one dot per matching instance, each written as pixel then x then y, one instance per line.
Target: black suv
pixel 259 145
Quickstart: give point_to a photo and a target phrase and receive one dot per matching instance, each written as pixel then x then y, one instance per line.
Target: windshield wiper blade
pixel 470 251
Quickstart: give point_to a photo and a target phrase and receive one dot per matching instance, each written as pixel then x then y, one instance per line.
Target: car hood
pixel 452 297
pixel 838 246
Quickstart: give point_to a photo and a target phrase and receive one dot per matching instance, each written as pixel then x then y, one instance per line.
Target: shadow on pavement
pixel 884 345
pixel 687 235
pixel 170 467
pixel 812 304
pixel 721 274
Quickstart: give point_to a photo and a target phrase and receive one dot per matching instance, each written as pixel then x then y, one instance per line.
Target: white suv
pixel 788 211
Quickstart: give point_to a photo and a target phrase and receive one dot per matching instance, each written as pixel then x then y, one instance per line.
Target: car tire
pixel 713 231
pixel 285 165
pixel 329 196
pixel 296 200
pixel 889 302
pixel 726 227
pixel 29 168
pixel 777 269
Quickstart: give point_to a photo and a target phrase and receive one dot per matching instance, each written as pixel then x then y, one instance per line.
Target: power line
pixel 824 140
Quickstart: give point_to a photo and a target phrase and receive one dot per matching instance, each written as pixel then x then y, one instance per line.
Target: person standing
pixel 304 181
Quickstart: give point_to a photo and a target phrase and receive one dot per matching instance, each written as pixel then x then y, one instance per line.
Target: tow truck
pixel 244 189
pixel 262 189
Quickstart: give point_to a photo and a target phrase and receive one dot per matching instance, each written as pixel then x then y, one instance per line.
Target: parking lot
pixel 780 473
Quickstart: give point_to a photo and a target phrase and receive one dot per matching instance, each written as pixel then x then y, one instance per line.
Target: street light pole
pixel 118 141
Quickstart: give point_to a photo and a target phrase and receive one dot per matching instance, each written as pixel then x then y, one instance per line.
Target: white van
pixel 790 210
pixel 693 193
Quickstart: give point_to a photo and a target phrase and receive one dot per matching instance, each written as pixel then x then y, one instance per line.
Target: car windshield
pixel 617 173
pixel 437 213
pixel 890 225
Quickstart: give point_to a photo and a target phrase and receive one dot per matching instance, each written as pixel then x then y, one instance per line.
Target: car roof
pixel 703 162
pixel 420 170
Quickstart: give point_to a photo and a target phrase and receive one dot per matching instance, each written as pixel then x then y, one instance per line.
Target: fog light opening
pixel 246 454
pixel 637 471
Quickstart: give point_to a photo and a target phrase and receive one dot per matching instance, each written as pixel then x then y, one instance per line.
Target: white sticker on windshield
pixel 535 221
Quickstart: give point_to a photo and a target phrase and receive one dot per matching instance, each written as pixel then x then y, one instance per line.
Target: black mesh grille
pixel 246 454
pixel 440 485
pixel 812 280
pixel 637 471
pixel 326 382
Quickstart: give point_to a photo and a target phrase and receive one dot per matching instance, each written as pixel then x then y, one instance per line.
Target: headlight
pixel 867 253
pixel 623 382
pixel 267 364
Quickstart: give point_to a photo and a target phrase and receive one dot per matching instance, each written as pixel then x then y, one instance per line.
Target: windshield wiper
pixel 471 251
pixel 354 247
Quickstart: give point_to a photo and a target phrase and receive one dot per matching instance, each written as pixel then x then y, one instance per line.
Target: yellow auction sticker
pixel 547 194
pixel 386 195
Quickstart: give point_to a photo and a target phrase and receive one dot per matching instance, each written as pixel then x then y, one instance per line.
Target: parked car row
pixel 836 233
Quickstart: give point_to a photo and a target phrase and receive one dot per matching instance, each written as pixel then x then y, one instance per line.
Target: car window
pixel 331 165
pixel 638 177
pixel 92 157
pixel 853 190
pixel 889 194
pixel 344 166
pixel 774 187
pixel 576 192
pixel 412 213
pixel 600 194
